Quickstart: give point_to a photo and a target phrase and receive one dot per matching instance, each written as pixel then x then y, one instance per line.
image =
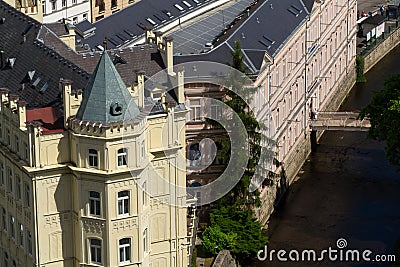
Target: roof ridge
pixel 40 44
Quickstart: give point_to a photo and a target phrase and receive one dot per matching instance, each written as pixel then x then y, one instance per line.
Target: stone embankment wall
pixel 381 49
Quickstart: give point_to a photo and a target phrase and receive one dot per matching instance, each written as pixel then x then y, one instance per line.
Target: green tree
pixel 215 240
pixel 233 217
pixel 384 114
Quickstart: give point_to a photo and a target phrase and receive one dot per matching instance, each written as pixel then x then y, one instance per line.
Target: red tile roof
pixel 47 117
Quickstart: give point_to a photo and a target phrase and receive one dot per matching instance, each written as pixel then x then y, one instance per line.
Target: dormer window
pixel 93 158
pixel 11 62
pixel 121 156
pixel 116 109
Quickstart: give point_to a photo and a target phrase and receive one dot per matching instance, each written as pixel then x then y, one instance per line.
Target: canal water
pixel 346 189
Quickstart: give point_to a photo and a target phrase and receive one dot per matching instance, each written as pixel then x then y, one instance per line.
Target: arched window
pixel 121 156
pixel 93 158
pixel 95 250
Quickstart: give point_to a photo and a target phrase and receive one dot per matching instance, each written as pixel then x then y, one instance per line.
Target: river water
pixel 346 189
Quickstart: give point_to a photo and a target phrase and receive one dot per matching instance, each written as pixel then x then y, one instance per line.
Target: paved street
pixel 370 5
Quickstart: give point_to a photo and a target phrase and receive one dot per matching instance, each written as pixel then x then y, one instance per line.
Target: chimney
pixel 72 100
pixel 21 114
pixel 169 55
pixel 69 37
pixel 138 89
pixel 34 129
pixel 149 35
pixel 158 36
pixel 4 96
pixel 13 102
pixel 181 86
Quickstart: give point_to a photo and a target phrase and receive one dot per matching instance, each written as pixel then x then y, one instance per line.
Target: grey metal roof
pixel 123 25
pixel 106 98
pixel 270 26
pixel 264 31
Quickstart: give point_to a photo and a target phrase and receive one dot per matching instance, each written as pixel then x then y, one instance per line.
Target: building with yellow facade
pixel 82 155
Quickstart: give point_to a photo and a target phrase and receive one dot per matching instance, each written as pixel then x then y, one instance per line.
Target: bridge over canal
pixel 339 121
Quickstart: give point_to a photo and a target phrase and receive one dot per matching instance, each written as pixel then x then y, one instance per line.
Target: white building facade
pixel 73 10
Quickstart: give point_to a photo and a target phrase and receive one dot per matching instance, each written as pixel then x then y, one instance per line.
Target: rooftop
pixel 106 98
pixel 265 31
pixel 131 22
pixel 34 59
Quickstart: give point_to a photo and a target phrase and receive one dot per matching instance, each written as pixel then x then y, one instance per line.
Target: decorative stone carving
pixel 93 226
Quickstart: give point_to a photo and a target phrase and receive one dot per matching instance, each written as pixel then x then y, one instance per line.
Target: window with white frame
pixel 18 186
pixel 63 3
pixel 74 2
pixel 195 112
pixel 216 111
pixel 53 5
pixel 93 158
pixel 123 202
pixel 124 250
pixel 21 235
pixel 44 7
pixel 144 194
pixel 94 203
pixel 12 227
pixel 121 157
pixel 95 250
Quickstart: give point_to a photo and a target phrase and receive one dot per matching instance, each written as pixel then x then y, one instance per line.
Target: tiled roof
pixel 106 98
pixel 59 29
pixel 145 58
pixel 48 119
pixel 36 71
pixel 44 55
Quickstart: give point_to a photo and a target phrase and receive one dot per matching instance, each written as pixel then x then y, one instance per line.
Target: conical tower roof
pixel 106 98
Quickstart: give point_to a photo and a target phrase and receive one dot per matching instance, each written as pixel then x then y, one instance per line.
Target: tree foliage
pixel 233 222
pixel 384 114
pixel 215 240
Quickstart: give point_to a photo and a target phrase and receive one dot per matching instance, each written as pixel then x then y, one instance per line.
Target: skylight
pixel 179 7
pixel 44 87
pixel 36 82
